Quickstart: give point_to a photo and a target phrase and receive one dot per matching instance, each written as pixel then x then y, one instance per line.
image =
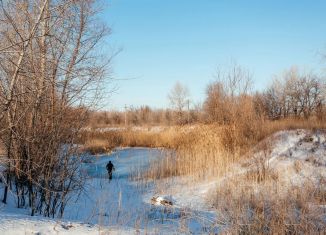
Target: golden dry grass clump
pixel 267 207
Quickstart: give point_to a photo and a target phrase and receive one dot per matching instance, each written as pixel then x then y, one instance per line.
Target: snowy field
pixel 126 206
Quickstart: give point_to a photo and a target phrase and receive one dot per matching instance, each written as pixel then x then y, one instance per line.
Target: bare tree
pixel 50 66
pixel 179 96
pixel 236 80
pixel 179 99
pixel 225 94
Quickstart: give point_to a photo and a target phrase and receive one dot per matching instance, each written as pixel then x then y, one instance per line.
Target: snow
pixel 174 205
pixel 121 205
pixel 17 224
pixel 301 148
pixel 162 200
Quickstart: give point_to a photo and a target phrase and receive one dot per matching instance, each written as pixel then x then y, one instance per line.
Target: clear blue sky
pixel 168 40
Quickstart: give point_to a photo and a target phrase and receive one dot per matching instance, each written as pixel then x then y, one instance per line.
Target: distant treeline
pixel 144 115
pixel 230 98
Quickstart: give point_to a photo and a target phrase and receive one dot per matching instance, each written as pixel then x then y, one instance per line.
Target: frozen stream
pixel 125 162
pixel 118 202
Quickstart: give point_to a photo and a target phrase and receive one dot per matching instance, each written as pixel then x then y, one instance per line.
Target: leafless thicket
pixel 50 70
pixel 296 95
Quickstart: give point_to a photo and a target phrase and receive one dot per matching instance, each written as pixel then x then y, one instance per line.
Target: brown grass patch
pixel 248 209
pixel 260 175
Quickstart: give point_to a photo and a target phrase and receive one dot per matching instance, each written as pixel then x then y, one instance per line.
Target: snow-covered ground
pixel 121 206
pixel 126 206
pixel 296 156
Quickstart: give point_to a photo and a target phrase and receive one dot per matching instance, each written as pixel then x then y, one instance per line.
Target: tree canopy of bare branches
pixel 295 94
pixel 50 71
pixel 179 96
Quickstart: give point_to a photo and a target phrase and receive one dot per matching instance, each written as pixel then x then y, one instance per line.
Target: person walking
pixel 110 168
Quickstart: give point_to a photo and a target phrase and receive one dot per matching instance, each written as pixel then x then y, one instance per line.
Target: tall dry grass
pixel 96 141
pixel 246 206
pixel 211 150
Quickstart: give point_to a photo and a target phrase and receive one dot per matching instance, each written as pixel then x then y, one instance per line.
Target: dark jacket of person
pixel 109 166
